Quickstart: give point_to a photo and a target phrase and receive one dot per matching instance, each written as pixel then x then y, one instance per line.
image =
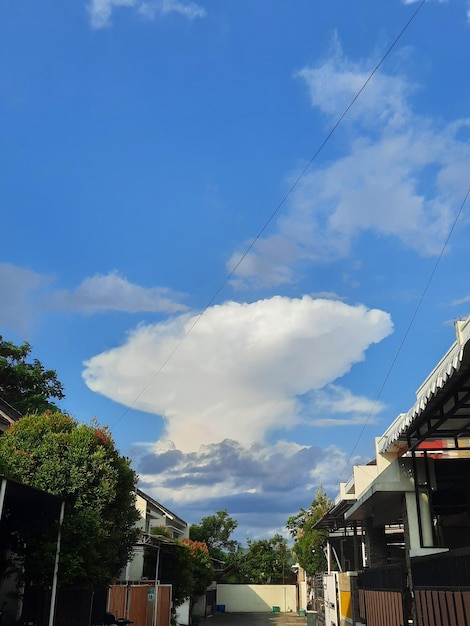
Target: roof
pixel 442 407
pixel 335 518
pixel 166 512
pixel 8 415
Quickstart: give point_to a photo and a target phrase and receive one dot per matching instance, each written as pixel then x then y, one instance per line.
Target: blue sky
pixel 146 144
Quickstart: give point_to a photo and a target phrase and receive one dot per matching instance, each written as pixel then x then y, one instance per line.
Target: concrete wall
pixel 257 598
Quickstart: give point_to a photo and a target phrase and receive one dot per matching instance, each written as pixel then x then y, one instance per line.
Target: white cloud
pixel 17 288
pixel 101 10
pixel 242 370
pixel 414 1
pixel 113 292
pixel 401 176
pixel 164 7
pixel 336 406
pixel 25 294
pixel 460 301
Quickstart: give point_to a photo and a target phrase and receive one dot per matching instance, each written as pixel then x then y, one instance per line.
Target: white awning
pixel 442 375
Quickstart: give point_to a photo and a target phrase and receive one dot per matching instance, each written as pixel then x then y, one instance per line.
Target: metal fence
pixel 384 599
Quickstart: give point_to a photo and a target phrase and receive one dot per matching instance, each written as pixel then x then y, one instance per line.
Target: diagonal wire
pixel 275 212
pixel 410 324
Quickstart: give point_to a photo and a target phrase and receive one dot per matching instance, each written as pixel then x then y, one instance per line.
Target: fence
pixel 142 603
pixel 384 599
pixel 442 589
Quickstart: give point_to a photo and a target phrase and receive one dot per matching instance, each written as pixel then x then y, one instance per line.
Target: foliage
pixel 309 543
pixel 79 463
pixel 185 564
pixel 175 568
pixel 215 531
pixel 26 386
pixel 203 571
pixel 161 531
pixel 267 562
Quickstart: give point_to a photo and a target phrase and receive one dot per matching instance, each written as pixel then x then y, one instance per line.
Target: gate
pixel 142 603
pixel 383 596
pixel 442 588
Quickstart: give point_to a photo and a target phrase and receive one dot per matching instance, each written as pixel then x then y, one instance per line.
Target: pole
pixel 3 488
pixel 56 566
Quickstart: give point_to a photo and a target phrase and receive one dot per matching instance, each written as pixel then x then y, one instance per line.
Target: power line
pixel 275 212
pixel 410 324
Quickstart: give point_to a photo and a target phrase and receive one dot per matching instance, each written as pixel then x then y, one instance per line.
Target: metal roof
pixel 166 512
pixel 8 415
pixel 335 518
pixel 442 407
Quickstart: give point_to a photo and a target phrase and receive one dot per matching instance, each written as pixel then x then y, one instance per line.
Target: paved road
pixel 254 619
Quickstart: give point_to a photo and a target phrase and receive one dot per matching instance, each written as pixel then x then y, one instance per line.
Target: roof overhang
pixel 382 501
pixel 442 408
pixel 335 518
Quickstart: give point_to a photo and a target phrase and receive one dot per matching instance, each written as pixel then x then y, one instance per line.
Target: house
pixel 400 527
pixel 142 593
pixel 8 415
pixel 153 515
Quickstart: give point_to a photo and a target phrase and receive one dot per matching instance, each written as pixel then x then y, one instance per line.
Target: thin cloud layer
pixel 101 10
pixel 242 371
pixel 18 286
pixel 113 292
pixel 401 176
pixel 27 294
pixel 276 479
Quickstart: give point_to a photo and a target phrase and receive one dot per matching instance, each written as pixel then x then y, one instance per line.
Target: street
pixel 254 619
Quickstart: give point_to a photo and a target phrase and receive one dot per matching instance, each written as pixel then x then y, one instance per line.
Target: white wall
pixel 182 614
pixel 257 598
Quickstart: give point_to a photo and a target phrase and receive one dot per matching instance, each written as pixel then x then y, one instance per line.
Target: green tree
pixel 309 542
pixel 26 386
pixel 267 562
pixel 216 532
pixel 184 564
pixel 80 463
pixel 203 571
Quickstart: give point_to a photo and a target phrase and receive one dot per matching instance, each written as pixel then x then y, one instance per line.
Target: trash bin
pixel 221 608
pixel 301 612
pixel 276 609
pixel 312 618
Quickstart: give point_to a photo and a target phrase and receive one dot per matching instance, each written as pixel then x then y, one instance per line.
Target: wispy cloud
pixel 25 294
pixel 460 301
pixel 113 292
pixel 244 369
pixel 414 1
pixel 101 10
pixel 19 288
pixel 401 175
pixel 335 406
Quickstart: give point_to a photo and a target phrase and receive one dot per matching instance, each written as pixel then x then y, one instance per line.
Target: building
pixel 8 415
pixel 141 593
pixel 403 520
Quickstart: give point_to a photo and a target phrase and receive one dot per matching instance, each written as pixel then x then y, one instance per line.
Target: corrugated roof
pixel 438 379
pixel 8 415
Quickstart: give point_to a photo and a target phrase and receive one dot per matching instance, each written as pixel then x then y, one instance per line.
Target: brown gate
pixel 142 603
pixel 442 588
pixel 383 596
